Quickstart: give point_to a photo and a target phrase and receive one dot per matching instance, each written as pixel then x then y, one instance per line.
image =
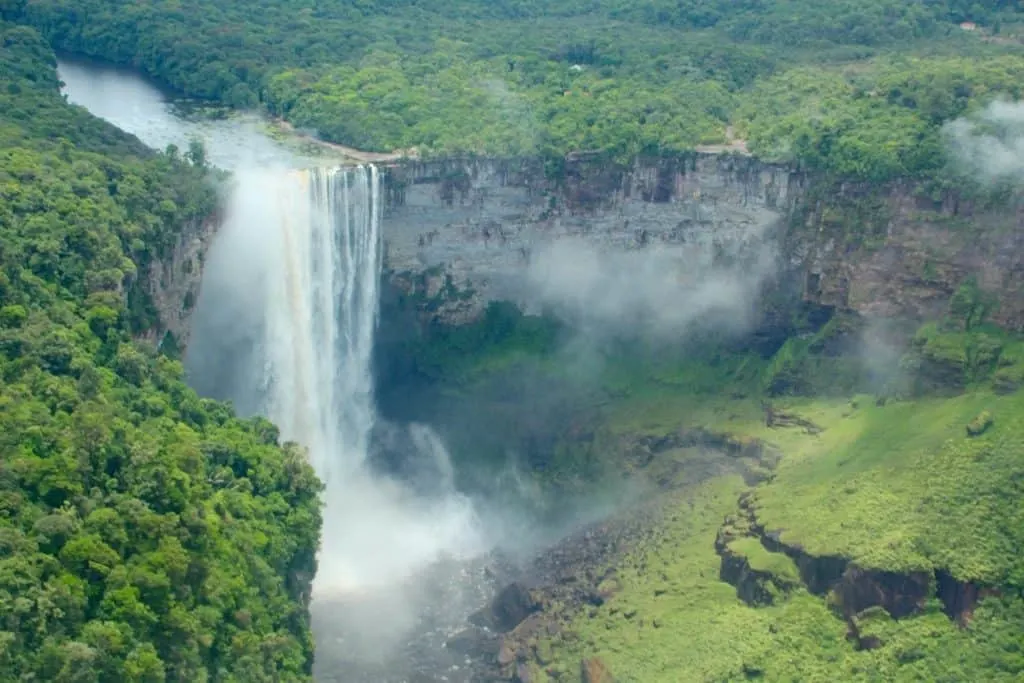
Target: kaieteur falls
pixel 285 329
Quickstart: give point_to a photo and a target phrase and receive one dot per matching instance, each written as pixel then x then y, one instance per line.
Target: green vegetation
pixel 149 535
pixel 511 78
pixel 896 485
pixel 457 355
pixel 761 560
pixel 145 534
pixel 672 620
pixel 893 481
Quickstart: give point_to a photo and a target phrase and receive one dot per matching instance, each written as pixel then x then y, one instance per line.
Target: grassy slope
pixel 896 486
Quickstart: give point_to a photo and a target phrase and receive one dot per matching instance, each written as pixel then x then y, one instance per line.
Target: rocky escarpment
pixel 898 251
pixel 172 282
pixel 764 568
pixel 462 232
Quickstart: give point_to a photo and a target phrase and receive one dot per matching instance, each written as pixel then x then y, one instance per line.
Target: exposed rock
pixel 959 598
pixel 818 572
pixel 483 220
pixel 858 592
pixel 172 282
pixel 756 458
pixel 760 575
pixel 474 642
pixel 511 606
pixel 752 587
pixel 883 251
pixel 899 594
pixel 594 670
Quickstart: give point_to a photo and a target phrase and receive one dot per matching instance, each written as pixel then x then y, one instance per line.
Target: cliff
pixel 462 232
pixel 171 283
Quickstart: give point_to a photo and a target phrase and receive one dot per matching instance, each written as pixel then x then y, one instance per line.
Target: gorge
pixel 683 393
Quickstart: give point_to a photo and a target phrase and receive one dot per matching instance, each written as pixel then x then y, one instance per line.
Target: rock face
pixel 460 233
pixel 891 251
pixel 509 608
pixel 173 281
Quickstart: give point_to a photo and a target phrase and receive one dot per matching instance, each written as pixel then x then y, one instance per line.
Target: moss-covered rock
pixel 761 577
pixel 980 424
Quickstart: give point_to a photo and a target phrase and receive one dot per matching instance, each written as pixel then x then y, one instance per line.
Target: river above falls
pixel 233 141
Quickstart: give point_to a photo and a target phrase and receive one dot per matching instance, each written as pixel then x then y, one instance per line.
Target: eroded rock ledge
pixel 763 568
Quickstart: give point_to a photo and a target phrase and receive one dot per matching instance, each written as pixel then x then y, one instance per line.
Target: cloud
pixel 990 144
pixel 657 291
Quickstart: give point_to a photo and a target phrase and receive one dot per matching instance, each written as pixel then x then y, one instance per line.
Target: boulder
pixel 474 643
pixel 508 609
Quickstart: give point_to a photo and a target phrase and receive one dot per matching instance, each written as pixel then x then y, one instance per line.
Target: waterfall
pixel 284 328
pixel 322 313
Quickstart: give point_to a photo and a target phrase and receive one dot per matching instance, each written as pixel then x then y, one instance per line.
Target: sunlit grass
pixel 898 486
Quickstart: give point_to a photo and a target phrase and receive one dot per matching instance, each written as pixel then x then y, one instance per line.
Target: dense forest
pixel 150 535
pixel 145 534
pixel 513 78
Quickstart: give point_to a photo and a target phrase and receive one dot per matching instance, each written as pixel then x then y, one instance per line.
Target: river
pixel 233 141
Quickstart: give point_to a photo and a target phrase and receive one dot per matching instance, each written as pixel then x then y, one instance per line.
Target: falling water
pixel 285 328
pixel 322 313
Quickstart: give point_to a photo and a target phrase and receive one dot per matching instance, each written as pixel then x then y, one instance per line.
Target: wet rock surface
pixel 462 232
pixel 465 621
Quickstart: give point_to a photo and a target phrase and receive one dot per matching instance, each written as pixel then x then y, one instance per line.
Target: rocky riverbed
pixel 485 618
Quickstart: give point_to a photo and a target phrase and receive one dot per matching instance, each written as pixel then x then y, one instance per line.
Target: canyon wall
pixel 172 282
pixel 462 232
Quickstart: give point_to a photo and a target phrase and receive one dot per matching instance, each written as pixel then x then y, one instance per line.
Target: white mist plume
pixel 292 285
pixel 990 145
pixel 657 291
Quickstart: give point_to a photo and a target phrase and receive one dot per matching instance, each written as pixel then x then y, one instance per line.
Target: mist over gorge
pixel 412 342
pixel 636 258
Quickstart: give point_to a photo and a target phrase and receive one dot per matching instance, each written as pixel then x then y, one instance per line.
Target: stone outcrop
pixel 892 251
pixel 510 607
pixel 472 226
pixel 172 281
pixel 474 642
pixel 754 458
pixel 959 598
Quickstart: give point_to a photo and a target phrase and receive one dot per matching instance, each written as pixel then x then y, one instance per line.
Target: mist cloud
pixel 657 291
pixel 990 144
